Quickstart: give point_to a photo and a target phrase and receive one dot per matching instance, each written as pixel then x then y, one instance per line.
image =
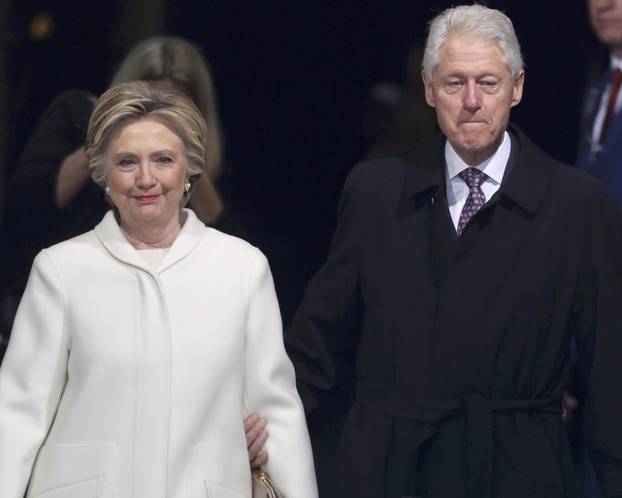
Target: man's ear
pixel 429 94
pixel 517 91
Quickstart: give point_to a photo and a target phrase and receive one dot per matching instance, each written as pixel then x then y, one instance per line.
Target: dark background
pixel 292 78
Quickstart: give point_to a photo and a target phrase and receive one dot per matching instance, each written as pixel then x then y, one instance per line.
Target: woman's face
pixel 146 172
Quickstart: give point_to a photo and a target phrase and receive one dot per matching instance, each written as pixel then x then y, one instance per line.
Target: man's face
pixel 472 91
pixel 606 17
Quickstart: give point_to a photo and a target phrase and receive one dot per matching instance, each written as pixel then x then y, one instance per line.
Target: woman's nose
pixel 145 178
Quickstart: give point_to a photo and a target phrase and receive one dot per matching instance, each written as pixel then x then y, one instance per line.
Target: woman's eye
pixel 126 162
pixel 165 160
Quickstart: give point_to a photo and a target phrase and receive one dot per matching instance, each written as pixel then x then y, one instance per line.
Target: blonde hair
pixel 137 100
pixel 179 61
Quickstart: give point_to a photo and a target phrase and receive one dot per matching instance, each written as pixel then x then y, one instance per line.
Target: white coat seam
pixel 162 292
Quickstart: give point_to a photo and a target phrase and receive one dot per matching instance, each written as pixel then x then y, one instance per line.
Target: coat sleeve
pixel 32 376
pixel 323 337
pixel 598 321
pixel 270 390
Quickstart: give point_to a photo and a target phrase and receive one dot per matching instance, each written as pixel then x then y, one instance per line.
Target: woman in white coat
pixel 140 346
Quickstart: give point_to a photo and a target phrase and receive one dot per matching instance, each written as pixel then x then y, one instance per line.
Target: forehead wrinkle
pixel 478 58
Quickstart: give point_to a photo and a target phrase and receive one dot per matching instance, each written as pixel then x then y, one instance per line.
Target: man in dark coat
pixel 458 275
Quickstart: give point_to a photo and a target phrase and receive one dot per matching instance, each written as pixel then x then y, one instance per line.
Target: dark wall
pixel 53 46
pixel 292 78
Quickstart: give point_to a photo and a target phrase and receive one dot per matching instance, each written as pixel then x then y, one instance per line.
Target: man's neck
pixel 475 158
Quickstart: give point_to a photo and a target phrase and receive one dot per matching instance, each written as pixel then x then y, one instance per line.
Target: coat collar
pixel 111 237
pixel 427 173
pixel 529 175
pixel 525 182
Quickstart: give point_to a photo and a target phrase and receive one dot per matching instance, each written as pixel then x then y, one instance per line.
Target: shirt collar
pixel 526 183
pixel 494 166
pixel 616 62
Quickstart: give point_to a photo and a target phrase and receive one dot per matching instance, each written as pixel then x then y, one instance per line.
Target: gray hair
pixel 137 100
pixel 176 59
pixel 476 21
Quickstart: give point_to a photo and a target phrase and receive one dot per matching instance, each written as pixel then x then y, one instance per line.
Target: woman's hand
pixel 256 437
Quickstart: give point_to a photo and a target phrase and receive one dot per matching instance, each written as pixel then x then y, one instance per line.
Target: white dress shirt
pixel 616 63
pixel 458 190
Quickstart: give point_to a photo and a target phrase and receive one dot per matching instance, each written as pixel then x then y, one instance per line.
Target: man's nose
pixel 471 98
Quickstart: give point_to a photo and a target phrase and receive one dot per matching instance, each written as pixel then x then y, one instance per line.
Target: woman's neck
pixel 147 236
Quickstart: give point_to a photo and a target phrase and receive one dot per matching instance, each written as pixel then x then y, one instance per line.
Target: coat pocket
pixel 74 471
pixel 91 488
pixel 222 472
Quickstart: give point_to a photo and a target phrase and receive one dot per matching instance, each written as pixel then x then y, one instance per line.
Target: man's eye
pixel 489 84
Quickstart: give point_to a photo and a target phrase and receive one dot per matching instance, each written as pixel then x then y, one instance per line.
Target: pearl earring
pixel 107 190
pixel 187 186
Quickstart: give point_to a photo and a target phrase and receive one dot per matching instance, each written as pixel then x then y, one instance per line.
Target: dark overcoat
pixel 461 345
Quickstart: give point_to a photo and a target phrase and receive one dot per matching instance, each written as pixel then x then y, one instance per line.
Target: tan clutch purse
pixel 262 485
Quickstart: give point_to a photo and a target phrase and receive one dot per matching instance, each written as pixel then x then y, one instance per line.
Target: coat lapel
pixel 192 233
pixel 111 237
pixel 524 184
pixel 613 133
pixel 527 182
pixel 586 155
pixel 592 103
pixel 424 188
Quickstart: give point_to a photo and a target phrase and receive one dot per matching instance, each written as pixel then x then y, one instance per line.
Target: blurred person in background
pixel 395 117
pixel 600 146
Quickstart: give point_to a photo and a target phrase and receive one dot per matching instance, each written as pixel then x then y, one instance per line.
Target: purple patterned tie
pixel 476 199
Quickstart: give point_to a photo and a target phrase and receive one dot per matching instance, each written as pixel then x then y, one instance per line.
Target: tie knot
pixel 473 177
pixel 616 77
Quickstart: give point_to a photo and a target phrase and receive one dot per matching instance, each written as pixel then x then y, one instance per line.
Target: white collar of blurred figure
pixel 616 62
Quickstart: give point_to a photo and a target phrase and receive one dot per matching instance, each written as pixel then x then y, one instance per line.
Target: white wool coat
pixel 121 381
